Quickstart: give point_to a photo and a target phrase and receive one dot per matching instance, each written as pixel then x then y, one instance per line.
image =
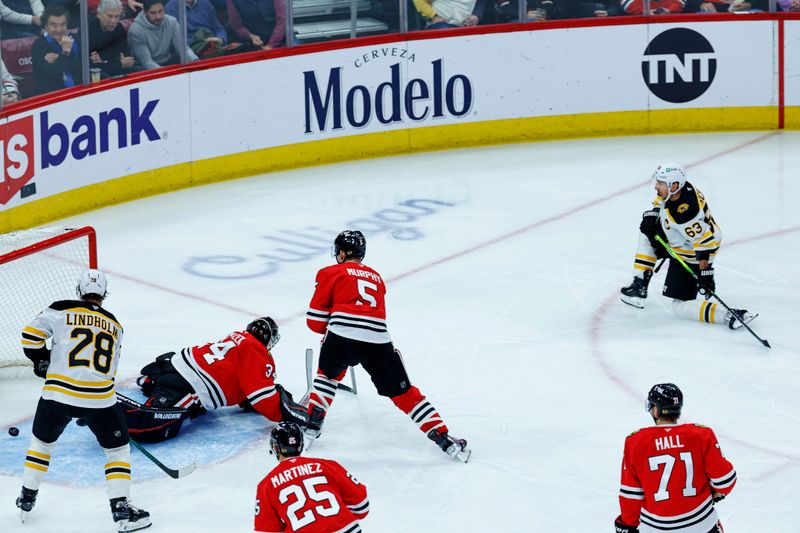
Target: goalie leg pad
pixel 152 424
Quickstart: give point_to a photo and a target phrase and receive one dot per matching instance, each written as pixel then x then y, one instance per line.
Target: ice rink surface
pixel 503 266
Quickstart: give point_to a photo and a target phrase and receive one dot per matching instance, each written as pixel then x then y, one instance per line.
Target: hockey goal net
pixel 37 267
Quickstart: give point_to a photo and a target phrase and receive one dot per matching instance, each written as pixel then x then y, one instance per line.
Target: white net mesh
pixel 37 267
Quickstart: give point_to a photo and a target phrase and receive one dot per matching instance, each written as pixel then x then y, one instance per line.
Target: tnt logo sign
pixel 679 65
pixel 16 156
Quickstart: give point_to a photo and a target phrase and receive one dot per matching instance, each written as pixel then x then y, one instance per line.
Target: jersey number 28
pixel 301 496
pixel 103 349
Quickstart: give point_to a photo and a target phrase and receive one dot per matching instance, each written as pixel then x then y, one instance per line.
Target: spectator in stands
pixel 450 13
pixel 260 22
pixel 155 37
pixel 108 42
pixel 205 34
pixel 539 10
pixel 55 56
pixel 10 89
pixel 20 18
pixel 657 7
pixel 789 5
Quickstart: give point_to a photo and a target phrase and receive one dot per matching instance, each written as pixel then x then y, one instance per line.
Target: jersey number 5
pixel 363 285
pixel 669 463
pixel 299 493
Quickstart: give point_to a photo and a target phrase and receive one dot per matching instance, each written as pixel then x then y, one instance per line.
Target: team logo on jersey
pixel 683 208
pixel 679 65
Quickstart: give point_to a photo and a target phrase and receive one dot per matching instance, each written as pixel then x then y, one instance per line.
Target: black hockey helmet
pixel 286 439
pixel 352 243
pixel 667 397
pixel 265 330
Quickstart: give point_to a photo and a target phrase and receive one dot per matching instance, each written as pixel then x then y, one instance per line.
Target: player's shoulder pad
pixel 65 305
pixel 633 433
pixel 686 207
pixel 701 425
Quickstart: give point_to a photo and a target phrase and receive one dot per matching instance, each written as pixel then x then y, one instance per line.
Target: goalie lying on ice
pixel 237 370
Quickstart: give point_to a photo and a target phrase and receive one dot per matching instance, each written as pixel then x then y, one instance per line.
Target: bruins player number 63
pixel 680 216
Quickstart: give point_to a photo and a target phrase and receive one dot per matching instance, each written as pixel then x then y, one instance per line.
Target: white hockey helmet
pixel 92 282
pixel 669 173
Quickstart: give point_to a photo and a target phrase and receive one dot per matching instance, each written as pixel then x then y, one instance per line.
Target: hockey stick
pixel 352 389
pixel 675 256
pixel 174 474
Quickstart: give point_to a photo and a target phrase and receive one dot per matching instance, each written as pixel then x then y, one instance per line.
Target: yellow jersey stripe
pixel 118 476
pixel 39 455
pixel 103 383
pixel 26 342
pixel 118 463
pixel 60 390
pixel 645 257
pixel 89 312
pixel 34 331
pixel 35 466
pixel 642 267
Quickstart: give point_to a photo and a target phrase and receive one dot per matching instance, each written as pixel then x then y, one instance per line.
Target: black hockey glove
pixel 650 223
pixel 40 367
pixel 292 411
pixel 620 527
pixel 705 282
pixel 718 497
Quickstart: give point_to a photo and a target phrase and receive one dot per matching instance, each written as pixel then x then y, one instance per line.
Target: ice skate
pixel 25 502
pixel 127 517
pixel 744 317
pixel 636 293
pixel 453 447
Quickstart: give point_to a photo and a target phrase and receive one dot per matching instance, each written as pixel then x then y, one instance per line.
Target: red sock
pixel 424 415
pixel 324 391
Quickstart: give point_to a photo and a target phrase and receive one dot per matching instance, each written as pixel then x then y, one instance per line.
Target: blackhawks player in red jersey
pixel 672 474
pixel 307 494
pixel 237 370
pixel 348 307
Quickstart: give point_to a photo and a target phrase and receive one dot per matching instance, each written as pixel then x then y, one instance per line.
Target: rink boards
pixel 388 95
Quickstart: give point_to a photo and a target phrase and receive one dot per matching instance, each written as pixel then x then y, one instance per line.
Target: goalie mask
pixel 265 330
pixel 286 439
pixel 669 173
pixel 92 282
pixel 352 243
pixel 667 397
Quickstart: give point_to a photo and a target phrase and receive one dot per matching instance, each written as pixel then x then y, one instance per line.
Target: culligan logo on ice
pixel 85 136
pixel 330 104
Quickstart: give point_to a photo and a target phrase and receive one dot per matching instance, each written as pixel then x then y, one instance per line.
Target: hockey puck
pixel 13 431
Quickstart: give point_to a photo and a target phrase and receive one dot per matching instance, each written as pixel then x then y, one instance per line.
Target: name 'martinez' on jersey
pixel 86 343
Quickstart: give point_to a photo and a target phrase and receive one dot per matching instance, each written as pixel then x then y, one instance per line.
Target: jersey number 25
pixel 301 495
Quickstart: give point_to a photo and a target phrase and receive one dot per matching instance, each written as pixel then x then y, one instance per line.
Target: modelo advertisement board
pixel 407 85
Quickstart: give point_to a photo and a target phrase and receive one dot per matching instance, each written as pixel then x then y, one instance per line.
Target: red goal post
pixel 37 267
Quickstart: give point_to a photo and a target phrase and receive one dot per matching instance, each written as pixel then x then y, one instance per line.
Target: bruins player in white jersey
pixel 79 370
pixel 682 217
